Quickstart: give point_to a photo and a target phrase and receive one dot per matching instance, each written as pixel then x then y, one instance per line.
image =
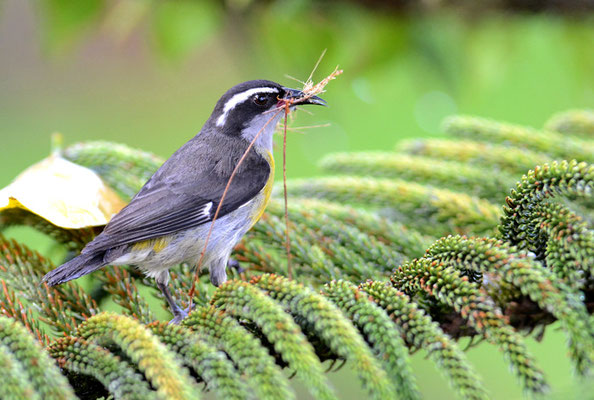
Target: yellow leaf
pixel 63 193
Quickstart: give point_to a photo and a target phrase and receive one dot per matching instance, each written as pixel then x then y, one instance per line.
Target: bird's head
pixel 254 108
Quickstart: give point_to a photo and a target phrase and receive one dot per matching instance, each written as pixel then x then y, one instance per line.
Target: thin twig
pixel 311 90
pixel 287 237
pixel 297 128
pixel 310 78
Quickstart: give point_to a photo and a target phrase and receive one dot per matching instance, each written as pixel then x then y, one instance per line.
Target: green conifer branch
pixel 531 224
pixel 573 122
pixel 259 256
pixel 335 233
pixel 364 257
pixel 118 377
pixel 246 301
pixel 555 144
pixel 442 210
pixel 39 369
pixel 421 332
pixel 533 280
pixel 352 251
pixel 181 280
pixel 246 351
pixel 211 365
pixel 314 262
pixel 11 306
pixel 160 366
pixel 73 239
pixel 118 282
pixel 404 240
pixel 333 240
pixel 123 168
pixel 510 159
pixel 447 286
pixel 328 323
pixel 379 330
pixel 15 384
pixel 570 243
pixel 61 307
pixel 446 174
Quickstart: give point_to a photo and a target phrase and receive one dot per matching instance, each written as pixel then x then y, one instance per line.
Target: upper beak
pixel 301 98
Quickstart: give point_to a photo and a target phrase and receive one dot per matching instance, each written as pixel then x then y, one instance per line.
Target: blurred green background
pixel 147 73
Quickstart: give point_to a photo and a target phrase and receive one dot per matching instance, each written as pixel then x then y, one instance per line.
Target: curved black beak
pixel 299 97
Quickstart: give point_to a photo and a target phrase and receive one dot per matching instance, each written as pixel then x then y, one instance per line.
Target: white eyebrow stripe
pixel 239 98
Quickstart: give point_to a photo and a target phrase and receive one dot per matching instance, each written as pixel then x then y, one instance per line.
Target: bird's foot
pixel 179 314
pixel 178 317
pixel 234 264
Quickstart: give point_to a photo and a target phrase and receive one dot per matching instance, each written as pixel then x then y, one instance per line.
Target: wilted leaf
pixel 63 193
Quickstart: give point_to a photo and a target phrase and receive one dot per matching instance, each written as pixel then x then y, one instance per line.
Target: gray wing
pixel 183 194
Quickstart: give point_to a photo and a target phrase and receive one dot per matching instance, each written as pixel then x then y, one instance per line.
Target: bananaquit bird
pixel 168 220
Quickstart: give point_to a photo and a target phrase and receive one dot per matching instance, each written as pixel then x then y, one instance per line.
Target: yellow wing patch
pixel 266 191
pixel 157 244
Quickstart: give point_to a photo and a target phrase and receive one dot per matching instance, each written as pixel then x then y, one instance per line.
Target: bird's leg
pixel 162 283
pixel 178 313
pixel 218 275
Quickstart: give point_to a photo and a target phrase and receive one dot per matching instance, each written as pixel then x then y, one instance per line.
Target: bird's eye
pixel 260 99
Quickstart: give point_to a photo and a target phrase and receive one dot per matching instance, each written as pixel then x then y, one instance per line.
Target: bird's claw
pixel 179 314
pixel 234 264
pixel 178 317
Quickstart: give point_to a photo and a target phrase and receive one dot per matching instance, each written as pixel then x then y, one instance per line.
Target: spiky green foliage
pixel 73 239
pixel 124 289
pixel 447 174
pixel 21 270
pixel 314 262
pixel 569 248
pixel 551 231
pixel 15 384
pixel 448 287
pixel 117 376
pixel 442 210
pixel 332 327
pixel 406 241
pixel 211 365
pixel 124 169
pixel 160 366
pixel 29 369
pixel 573 122
pixel 533 267
pixel 263 375
pixel 420 332
pixel 247 302
pixel 501 261
pixel 493 157
pixel 561 146
pixel 379 329
pixel 365 255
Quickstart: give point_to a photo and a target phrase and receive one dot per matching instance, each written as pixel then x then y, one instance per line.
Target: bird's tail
pixel 75 268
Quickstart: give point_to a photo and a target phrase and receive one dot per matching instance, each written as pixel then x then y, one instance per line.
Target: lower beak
pixel 299 97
